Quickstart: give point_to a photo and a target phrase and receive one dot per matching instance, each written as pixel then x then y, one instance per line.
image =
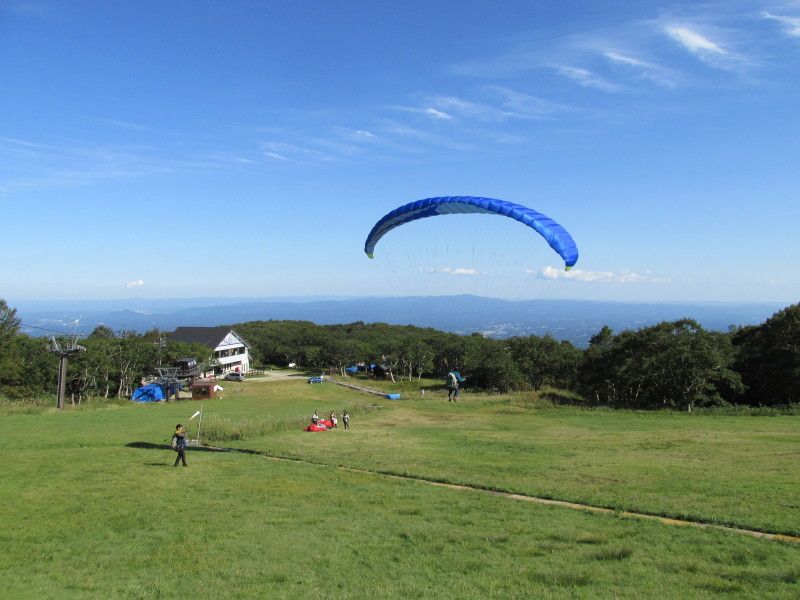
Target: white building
pixel 231 352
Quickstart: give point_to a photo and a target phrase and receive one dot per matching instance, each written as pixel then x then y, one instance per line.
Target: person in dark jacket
pixel 179 445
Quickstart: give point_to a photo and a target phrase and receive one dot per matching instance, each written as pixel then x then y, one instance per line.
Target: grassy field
pixel 90 506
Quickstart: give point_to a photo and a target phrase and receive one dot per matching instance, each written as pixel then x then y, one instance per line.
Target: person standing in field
pixel 452 386
pixel 179 444
pixel 346 420
pixel 333 419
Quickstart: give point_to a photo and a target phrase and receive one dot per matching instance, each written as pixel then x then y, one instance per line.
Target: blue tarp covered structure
pixel 148 393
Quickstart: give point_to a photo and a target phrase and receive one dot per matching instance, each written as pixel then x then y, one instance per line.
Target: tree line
pixel 675 364
pixel 112 366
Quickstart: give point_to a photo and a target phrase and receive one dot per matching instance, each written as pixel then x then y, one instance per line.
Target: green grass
pixel 84 515
pixel 726 470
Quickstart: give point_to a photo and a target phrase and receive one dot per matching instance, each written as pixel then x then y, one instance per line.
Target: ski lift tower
pixel 168 379
pixel 64 352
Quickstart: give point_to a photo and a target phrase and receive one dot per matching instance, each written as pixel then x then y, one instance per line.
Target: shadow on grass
pixel 190 449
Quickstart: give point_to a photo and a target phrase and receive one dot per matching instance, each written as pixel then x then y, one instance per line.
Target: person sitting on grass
pixel 179 444
pixel 315 418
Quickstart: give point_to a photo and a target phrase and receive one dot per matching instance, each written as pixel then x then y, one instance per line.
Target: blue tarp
pixel 148 393
pixel 393 396
pixel 353 370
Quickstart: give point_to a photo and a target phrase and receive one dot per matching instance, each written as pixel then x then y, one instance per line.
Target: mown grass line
pixel 663 518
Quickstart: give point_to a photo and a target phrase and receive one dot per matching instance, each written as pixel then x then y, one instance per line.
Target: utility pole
pixel 160 344
pixel 63 353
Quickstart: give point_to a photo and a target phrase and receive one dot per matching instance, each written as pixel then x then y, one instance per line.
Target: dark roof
pixel 208 336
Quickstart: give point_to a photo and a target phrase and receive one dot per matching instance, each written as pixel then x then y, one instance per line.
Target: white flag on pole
pixel 194 415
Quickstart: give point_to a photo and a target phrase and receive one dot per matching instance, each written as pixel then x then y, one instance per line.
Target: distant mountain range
pixel 573 320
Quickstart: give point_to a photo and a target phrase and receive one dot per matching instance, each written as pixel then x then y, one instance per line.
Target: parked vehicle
pixel 234 376
pixel 317 379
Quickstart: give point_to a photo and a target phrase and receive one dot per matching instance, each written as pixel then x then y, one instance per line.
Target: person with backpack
pixel 452 383
pixel 179 444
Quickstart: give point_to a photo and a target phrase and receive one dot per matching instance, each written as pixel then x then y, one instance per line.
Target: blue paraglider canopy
pixel 148 393
pixel 556 236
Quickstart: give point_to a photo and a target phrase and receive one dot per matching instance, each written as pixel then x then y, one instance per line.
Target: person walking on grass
pixel 452 386
pixel 179 445
pixel 346 420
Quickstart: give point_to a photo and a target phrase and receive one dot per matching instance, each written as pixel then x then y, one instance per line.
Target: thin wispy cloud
pixel 462 271
pixel 693 41
pixel 37 165
pixel 525 106
pixel 647 70
pixel 451 270
pixel 715 46
pixel 428 111
pixel 286 152
pixel 437 114
pixel 584 276
pixel 586 78
pixel 470 109
pixel 123 124
pixel 789 24
pixel 415 134
pixel 136 283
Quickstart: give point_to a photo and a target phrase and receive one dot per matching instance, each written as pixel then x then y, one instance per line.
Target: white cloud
pixel 524 106
pixel 428 111
pixel 791 25
pixel 363 133
pixel 648 70
pixel 136 283
pixel 586 78
pixel 275 156
pixel 713 52
pixel 693 41
pixel 451 270
pixel 550 272
pixel 436 114
pixel 469 109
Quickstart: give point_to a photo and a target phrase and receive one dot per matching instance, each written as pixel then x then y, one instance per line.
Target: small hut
pixel 204 389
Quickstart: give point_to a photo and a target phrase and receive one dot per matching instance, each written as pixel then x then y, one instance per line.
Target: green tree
pixel 673 364
pixel 769 358
pixel 546 361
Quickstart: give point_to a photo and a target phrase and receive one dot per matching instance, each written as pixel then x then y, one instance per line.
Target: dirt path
pixel 278 375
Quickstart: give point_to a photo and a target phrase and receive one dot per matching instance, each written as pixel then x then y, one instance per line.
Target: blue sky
pixel 178 149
